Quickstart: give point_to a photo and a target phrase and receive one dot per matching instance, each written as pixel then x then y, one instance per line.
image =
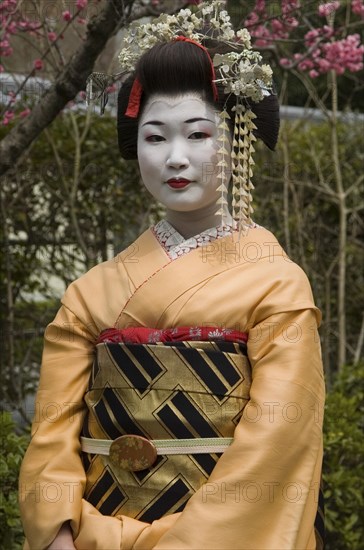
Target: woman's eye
pixel 154 139
pixel 199 135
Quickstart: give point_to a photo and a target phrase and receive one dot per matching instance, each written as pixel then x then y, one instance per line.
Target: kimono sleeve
pixel 52 477
pixel 263 492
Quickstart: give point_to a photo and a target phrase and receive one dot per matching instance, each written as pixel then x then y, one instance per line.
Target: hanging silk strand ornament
pixel 242 163
pixel 223 165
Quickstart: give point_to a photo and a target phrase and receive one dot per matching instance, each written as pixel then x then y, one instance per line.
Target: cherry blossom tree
pixel 48 30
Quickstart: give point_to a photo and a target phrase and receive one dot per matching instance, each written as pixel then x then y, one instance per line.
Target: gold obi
pixel 179 390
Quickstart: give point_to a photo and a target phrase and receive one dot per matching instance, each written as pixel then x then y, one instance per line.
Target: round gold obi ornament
pixel 132 453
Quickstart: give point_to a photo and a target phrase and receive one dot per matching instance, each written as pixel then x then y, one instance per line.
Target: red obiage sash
pixel 141 335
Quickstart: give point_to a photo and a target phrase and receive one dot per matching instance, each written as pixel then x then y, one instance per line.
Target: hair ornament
pixel 134 99
pixel 224 163
pixel 96 89
pixel 242 163
pixel 240 71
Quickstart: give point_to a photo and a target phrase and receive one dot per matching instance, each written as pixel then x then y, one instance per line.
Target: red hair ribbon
pixel 136 90
pixel 213 75
pixel 134 99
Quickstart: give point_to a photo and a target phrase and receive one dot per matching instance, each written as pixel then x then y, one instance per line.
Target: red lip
pixel 178 183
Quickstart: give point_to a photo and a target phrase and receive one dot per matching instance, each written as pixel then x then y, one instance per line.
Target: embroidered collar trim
pixel 176 245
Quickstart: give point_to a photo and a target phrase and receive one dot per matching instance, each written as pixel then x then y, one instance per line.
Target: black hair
pixel 177 68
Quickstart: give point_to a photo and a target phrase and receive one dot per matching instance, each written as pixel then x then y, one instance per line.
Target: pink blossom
pixel 338 56
pixel 38 64
pixel 326 9
pixel 80 4
pixel 9 6
pixel 311 37
pixel 252 19
pixel 277 25
pixel 260 6
pixel 315 35
pixel 357 7
pixel 81 20
pixel 327 31
pixel 262 35
pixel 289 6
pixel 5 48
pixel 1 69
pixel 11 27
pixel 52 37
pixel 291 22
pixel 306 65
pixel 8 117
pixel 345 54
pixel 24 113
pixel 12 97
pixel 25 25
pixel 285 62
pixel 266 29
pixel 313 73
pixel 67 15
pixel 323 65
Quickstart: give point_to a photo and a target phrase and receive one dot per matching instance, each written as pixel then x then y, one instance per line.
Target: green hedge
pixel 344 460
pixel 12 450
pixel 343 467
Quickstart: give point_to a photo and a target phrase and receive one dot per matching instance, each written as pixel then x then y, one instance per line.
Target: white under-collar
pixel 176 245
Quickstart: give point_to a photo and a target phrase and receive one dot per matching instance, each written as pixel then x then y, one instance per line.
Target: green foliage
pixel 308 226
pixel 12 451
pixel 344 460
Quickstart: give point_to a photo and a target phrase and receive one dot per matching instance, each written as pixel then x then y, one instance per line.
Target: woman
pixel 201 415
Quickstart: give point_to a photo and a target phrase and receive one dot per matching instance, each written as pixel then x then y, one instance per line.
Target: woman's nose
pixel 177 156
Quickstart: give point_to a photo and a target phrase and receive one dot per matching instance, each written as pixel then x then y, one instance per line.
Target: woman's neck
pixel 189 224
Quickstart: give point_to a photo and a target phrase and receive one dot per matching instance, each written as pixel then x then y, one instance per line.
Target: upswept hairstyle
pixel 176 68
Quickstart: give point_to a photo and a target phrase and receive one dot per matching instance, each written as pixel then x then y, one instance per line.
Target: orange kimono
pixel 262 492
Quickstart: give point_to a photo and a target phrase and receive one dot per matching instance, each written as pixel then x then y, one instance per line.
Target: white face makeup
pixel 177 153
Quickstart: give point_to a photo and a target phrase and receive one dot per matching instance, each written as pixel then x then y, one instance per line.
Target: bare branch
pixel 360 343
pixel 71 80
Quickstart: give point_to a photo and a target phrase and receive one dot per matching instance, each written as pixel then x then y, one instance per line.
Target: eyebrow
pixel 189 121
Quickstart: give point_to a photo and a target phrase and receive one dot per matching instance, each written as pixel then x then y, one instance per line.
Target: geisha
pixel 189 373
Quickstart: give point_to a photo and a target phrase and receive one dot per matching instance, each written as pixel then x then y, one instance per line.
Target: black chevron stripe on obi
pixel 221 379
pixel 171 499
pixel 184 421
pixel 229 347
pixel 136 363
pixel 106 495
pixel 114 417
pixel 187 390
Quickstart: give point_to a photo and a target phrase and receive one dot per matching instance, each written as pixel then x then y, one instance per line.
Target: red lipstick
pixel 178 183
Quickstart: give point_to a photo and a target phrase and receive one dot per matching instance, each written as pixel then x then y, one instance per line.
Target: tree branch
pixel 71 80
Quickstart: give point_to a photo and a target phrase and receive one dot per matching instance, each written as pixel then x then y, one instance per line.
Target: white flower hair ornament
pixel 240 72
